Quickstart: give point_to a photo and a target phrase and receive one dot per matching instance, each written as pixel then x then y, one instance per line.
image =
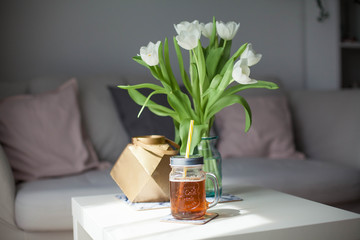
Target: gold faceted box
pixel 143 168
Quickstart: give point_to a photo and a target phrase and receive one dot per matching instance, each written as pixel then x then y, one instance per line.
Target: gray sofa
pixel 326 127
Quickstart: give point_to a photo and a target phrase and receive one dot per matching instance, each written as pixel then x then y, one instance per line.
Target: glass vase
pixel 212 162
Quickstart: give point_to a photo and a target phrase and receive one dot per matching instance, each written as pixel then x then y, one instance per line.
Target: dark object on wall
pixel 324 14
pixel 350 44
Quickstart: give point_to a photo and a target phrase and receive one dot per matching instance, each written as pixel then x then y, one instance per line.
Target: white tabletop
pixel 264 214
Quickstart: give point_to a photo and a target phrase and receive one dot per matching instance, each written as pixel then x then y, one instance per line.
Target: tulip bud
pixel 227 31
pixel 188 40
pixel 250 55
pixel 187 26
pixel 206 29
pixel 150 53
pixel 241 72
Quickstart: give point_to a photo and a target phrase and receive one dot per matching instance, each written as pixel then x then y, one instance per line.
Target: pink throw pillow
pixel 42 135
pixel 271 133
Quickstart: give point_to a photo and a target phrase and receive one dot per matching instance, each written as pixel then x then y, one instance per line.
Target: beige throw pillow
pixel 42 135
pixel 271 133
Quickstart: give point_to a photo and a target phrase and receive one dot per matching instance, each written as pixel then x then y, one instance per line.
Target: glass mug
pixel 187 187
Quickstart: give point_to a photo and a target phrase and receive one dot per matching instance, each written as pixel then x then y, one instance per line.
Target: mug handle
pixel 216 190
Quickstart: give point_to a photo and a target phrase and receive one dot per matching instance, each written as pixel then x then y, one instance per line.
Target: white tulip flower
pixel 187 26
pixel 189 39
pixel 206 29
pixel 241 72
pixel 150 53
pixel 250 55
pixel 227 31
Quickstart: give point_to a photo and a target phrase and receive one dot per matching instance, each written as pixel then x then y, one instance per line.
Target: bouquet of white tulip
pixel 212 70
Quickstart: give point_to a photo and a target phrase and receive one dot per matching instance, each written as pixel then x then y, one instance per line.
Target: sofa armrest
pixel 7 189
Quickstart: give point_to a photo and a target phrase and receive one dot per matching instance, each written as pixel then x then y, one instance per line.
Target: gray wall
pixel 82 37
pixel 322 47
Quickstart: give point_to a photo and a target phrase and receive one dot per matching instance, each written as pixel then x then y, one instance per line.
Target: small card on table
pixel 206 218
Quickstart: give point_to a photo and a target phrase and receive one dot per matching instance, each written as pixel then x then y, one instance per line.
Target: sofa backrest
pixel 8 89
pixel 327 124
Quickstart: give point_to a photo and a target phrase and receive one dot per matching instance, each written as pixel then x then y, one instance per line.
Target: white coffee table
pixel 264 214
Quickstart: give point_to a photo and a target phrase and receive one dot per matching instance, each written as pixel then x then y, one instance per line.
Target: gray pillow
pixel 148 123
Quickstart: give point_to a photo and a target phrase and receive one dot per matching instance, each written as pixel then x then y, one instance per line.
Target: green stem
pixel 158 71
pixel 200 111
pixel 225 41
pixel 210 163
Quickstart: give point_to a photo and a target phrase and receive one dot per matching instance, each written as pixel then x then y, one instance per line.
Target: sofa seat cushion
pixel 45 205
pixel 311 179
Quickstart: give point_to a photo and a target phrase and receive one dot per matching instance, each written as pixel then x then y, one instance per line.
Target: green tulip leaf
pixel 212 61
pixel 183 73
pixel 199 131
pixel 162 65
pixel 148 98
pixel 216 81
pixel 232 59
pixel 228 101
pixel 139 60
pixel 152 106
pixel 169 71
pixel 195 86
pixel 177 132
pixel 213 85
pixel 180 102
pixel 259 84
pixel 142 85
pixel 225 55
pixel 227 76
pixel 213 38
pixel 201 65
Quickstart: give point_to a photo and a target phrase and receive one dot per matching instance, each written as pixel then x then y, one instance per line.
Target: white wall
pixel 74 38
